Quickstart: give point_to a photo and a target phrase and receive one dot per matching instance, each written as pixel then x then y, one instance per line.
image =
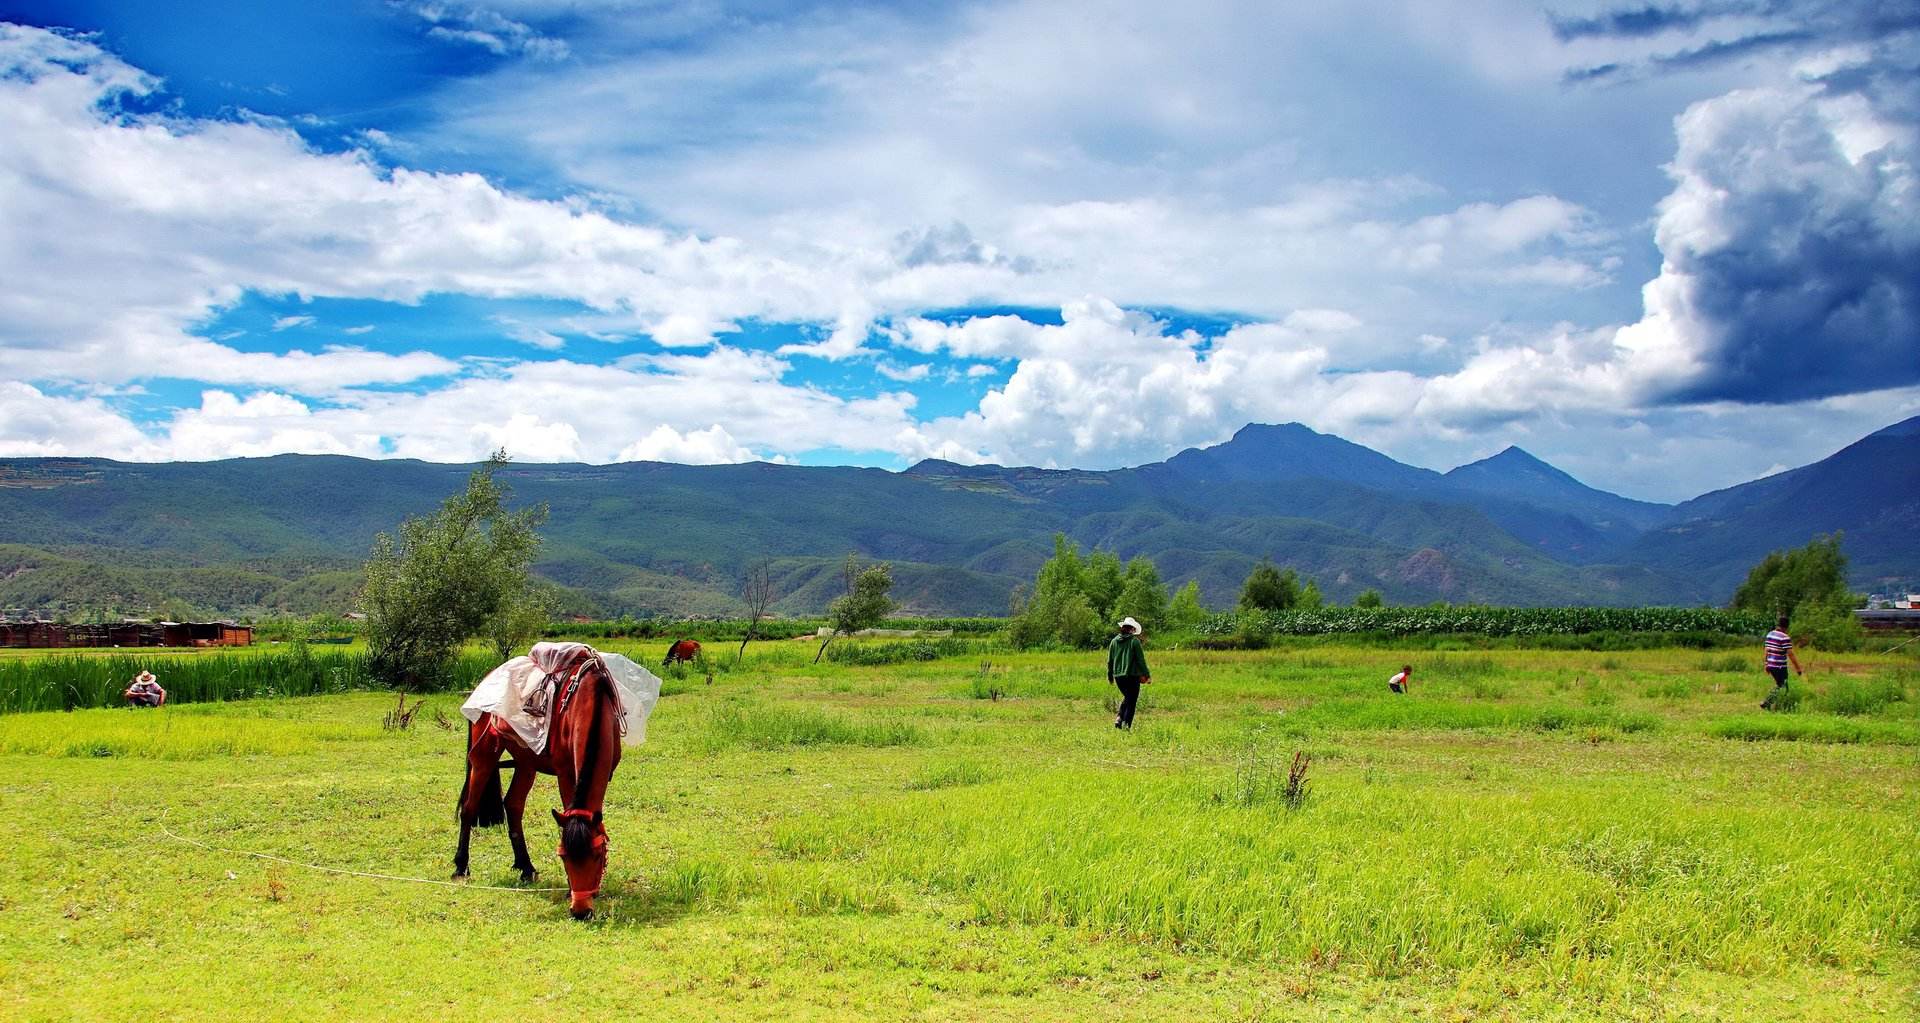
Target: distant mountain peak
pixel 1515 459
pixel 1253 431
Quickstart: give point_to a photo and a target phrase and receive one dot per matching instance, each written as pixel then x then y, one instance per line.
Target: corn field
pixel 1489 621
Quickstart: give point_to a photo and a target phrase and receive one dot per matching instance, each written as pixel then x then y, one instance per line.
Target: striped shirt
pixel 1778 643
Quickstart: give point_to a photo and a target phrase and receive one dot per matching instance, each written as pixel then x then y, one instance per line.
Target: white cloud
pixel 156 222
pixel 1791 250
pixel 365 328
pixel 529 437
pixel 488 30
pixel 289 322
pixel 226 426
pixel 529 334
pixel 711 446
pixel 904 374
pixel 34 424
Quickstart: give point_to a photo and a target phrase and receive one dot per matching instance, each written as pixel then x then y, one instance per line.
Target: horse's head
pixel 583 851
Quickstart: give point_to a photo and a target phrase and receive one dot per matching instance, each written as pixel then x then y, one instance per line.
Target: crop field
pixel 1529 835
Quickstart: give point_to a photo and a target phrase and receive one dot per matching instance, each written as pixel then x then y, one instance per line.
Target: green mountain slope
pixel 1870 490
pixel 290 531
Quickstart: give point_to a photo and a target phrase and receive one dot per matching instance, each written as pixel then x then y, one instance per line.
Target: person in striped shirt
pixel 1779 654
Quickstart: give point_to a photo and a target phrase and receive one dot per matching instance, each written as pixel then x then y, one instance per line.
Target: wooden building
pixel 57 635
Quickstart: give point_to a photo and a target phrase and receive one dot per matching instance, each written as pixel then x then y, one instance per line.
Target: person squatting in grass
pixel 1779 652
pixel 1127 668
pixel 145 691
pixel 1402 682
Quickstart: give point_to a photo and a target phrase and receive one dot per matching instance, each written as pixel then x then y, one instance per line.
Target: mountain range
pixel 288 532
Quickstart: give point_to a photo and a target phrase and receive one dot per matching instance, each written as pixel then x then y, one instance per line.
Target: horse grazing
pixel 583 748
pixel 681 650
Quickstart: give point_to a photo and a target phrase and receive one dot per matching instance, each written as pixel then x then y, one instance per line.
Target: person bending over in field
pixel 145 691
pixel 1779 653
pixel 1402 682
pixel 1127 668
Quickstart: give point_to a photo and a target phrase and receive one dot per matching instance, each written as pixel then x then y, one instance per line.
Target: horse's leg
pixel 524 775
pixel 481 788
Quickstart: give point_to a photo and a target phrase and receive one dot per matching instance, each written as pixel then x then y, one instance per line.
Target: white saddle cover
pixel 504 691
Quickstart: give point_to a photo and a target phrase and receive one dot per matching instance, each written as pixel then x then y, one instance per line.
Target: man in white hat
pixel 1127 668
pixel 145 691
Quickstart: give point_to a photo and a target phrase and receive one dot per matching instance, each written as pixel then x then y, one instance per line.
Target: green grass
pixel 1530 835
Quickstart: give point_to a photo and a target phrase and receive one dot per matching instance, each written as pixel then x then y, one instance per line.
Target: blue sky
pixel 1667 247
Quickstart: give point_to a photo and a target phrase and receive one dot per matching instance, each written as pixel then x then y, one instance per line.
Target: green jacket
pixel 1126 658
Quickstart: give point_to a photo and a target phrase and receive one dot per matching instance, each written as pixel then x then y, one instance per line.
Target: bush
pixel 1850 697
pixel 902 652
pixel 1831 627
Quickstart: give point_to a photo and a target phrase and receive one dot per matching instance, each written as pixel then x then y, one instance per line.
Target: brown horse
pixel 583 748
pixel 682 650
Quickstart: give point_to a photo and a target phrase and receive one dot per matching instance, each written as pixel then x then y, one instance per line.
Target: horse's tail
pixel 493 802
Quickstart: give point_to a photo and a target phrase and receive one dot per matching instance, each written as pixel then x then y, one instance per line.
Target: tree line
pixel 464 571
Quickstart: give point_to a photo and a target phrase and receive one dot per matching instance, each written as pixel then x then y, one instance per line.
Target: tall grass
pixel 1401 880
pixel 1813 728
pixel 766 727
pixel 79 681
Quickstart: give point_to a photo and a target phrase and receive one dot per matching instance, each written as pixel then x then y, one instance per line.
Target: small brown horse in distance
pixel 682 650
pixel 583 748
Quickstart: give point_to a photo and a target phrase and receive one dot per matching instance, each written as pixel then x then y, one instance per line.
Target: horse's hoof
pixel 527 876
pixel 459 875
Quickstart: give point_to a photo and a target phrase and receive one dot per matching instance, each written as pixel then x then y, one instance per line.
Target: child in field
pixel 1402 682
pixel 1779 653
pixel 145 691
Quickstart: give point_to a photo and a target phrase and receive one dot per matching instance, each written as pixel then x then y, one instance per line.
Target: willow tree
pixel 443 577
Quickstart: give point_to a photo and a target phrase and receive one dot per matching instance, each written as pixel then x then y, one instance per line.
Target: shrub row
pixel 1486 621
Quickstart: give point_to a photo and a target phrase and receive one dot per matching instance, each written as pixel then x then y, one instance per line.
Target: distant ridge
pixel 1870 490
pixel 289 532
pixel 1518 475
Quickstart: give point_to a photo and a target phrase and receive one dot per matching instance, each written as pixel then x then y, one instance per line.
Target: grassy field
pixel 1528 836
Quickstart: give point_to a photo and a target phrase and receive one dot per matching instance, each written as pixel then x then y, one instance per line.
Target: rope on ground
pixel 1897 646
pixel 350 873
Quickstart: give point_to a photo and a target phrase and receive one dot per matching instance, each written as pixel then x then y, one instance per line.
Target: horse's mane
pixel 577 833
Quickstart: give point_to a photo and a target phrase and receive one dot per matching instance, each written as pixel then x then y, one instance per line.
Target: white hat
pixel 1128 622
pixel 144 676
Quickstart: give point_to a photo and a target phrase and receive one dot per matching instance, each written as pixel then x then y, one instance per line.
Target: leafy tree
pixel 446 574
pixel 522 617
pixel 1368 598
pixel 1810 585
pixel 1142 596
pixel 1185 612
pixel 1269 589
pixel 1074 598
pixel 866 604
pixel 1786 580
pixel 1310 597
pixel 1104 581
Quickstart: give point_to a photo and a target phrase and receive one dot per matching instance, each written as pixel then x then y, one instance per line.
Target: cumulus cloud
pixel 1790 249
pixel 35 424
pixel 125 229
pixel 711 446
